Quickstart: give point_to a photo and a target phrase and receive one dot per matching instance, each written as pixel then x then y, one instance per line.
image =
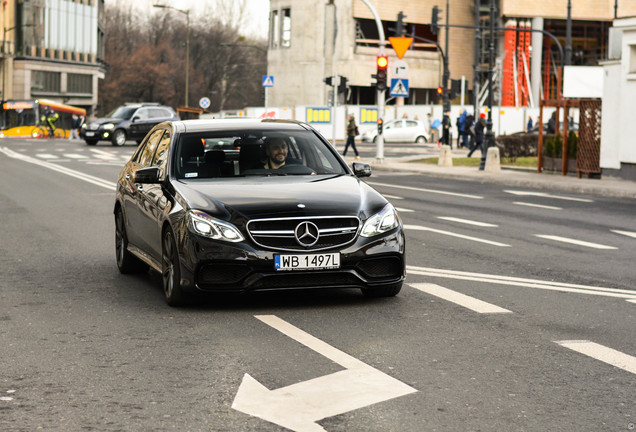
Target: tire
pixel 91 142
pixel 126 262
pixel 382 291
pixel 38 132
pixel 119 137
pixel 171 270
pixel 421 139
pixel 59 133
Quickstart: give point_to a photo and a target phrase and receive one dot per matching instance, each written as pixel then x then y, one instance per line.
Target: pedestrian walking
pixel 446 125
pixel 462 133
pixel 529 125
pixel 75 125
pixel 479 135
pixel 469 130
pixel 352 131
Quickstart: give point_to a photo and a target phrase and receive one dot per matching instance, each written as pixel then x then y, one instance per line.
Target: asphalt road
pixel 519 313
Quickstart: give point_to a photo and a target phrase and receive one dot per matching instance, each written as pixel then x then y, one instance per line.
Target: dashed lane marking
pixel 575 242
pixel 625 233
pixel 433 191
pixel 467 221
pixel 452 234
pixel 547 195
pixel 458 298
pixel 602 353
pixel 547 207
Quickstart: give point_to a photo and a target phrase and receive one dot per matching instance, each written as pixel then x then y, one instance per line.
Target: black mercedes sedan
pixel 241 205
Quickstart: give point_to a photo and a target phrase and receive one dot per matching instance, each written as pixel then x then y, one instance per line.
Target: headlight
pixel 108 126
pixel 207 226
pixel 384 221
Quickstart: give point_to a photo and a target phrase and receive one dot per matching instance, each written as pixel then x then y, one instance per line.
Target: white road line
pixel 47 156
pixel 69 172
pixel 404 210
pixel 75 156
pixel 629 295
pixel 452 234
pixel 574 241
pixel 625 233
pixel 537 205
pixel 434 191
pixel 392 197
pixel 547 195
pixel 467 221
pixel 459 298
pixel 102 154
pixel 602 353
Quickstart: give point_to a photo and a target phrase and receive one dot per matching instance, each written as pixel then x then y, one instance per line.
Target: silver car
pixel 402 130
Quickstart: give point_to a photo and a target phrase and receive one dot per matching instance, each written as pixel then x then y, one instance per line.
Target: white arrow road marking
pixel 574 241
pixel 467 221
pixel 299 406
pixel 602 353
pixel 459 298
pixel 547 195
pixel 625 233
pixel 69 172
pixel 427 190
pixel 528 283
pixel 537 205
pixel 452 234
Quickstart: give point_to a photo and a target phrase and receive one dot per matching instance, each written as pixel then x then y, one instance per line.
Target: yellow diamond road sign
pixel 400 45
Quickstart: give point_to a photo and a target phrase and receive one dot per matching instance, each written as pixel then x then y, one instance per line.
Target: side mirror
pixel 147 175
pixel 361 169
pixel 135 118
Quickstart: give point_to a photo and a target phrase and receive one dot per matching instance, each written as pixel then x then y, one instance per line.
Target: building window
pixel 79 83
pixel 286 28
pixel 45 81
pixel 632 59
pixel 274 35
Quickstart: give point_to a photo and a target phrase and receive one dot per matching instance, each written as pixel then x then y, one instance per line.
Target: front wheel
pixel 420 139
pixel 171 270
pixel 382 290
pixel 119 137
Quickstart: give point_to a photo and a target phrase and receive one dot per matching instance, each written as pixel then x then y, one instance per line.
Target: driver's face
pixel 277 151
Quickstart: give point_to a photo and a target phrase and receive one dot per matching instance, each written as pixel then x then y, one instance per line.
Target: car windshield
pixel 253 153
pixel 122 112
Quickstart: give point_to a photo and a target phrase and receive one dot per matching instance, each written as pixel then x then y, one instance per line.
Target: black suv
pixel 131 121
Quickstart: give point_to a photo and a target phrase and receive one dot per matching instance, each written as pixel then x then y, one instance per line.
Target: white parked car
pixel 402 130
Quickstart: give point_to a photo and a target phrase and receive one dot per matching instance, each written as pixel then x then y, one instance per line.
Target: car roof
pixel 205 125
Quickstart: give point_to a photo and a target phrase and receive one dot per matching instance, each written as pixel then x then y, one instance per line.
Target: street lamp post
pixel 187 71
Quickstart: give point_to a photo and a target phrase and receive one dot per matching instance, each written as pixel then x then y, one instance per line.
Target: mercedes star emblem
pixel 307 234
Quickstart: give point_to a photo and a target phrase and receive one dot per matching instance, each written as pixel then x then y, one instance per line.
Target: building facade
pixel 312 40
pixel 53 49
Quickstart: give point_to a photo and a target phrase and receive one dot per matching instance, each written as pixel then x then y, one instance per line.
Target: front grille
pixel 280 233
pixel 292 280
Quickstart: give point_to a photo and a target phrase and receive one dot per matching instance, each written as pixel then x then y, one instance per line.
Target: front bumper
pixel 99 134
pixel 214 266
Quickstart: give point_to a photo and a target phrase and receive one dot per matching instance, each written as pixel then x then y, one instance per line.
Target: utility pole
pixel 490 136
pixel 476 83
pixel 568 36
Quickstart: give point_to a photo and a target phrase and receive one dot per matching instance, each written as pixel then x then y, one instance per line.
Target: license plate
pixel 307 262
pixel 87 133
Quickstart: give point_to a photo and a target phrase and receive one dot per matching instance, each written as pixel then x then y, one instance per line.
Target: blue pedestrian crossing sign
pixel 400 87
pixel 268 80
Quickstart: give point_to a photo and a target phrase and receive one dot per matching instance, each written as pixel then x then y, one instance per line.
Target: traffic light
pixel 456 88
pixel 435 20
pixel 380 123
pixel 342 86
pixel 328 81
pixel 400 27
pixel 383 64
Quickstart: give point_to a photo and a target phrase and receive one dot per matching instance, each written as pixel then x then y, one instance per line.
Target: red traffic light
pixel 382 62
pixel 440 90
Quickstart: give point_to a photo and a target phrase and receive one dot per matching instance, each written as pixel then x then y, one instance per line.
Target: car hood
pixel 104 120
pixel 288 196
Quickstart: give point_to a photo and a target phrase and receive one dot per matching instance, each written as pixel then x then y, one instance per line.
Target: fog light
pixel 106 134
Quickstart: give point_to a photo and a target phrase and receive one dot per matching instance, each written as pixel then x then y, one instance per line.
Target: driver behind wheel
pixel 276 151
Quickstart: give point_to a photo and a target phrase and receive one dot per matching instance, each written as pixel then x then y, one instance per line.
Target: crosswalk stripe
pixel 47 156
pixel 75 156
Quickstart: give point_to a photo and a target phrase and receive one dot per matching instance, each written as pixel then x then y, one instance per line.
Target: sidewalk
pixel 605 186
